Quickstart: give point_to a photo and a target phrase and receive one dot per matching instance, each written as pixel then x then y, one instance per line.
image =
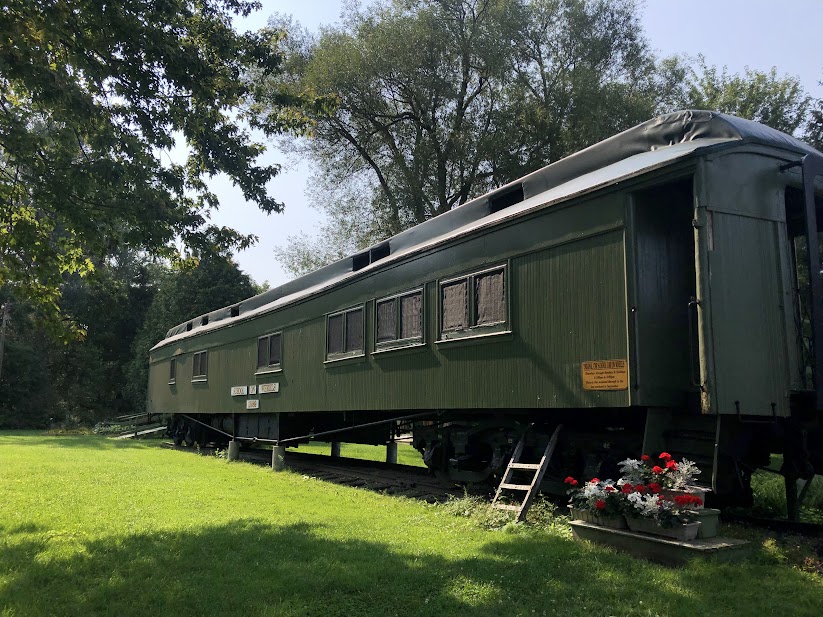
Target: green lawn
pixel 93 526
pixel 406 455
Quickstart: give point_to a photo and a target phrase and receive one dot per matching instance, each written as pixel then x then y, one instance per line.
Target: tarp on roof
pixel 654 143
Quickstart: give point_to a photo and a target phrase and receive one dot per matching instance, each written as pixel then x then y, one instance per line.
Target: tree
pixel 92 92
pixel 437 101
pixel 780 102
pixel 188 290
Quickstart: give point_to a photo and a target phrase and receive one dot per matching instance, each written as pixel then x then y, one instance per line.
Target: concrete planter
pixel 683 532
pixel 612 522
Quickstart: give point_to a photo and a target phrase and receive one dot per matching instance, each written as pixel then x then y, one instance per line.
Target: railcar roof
pixel 655 143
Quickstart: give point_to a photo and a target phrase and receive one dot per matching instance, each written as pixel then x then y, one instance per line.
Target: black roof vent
pixel 188 327
pixel 235 311
pixel 204 320
pixel 360 261
pixel 379 252
pixel 509 197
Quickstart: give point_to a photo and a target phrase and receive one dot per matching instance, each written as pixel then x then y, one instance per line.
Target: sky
pixel 732 33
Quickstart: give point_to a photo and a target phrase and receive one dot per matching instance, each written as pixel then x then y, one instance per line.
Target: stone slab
pixel 659 549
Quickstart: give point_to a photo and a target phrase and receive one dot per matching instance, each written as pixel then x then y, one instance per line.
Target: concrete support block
pixel 278 458
pixel 335 449
pixel 234 450
pixel 391 452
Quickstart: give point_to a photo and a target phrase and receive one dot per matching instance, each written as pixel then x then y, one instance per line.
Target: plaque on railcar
pixel 605 375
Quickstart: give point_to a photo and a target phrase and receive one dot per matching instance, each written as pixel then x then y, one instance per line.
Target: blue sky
pixel 758 34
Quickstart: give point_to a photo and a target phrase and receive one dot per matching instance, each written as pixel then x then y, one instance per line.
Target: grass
pixel 94 526
pixel 770 495
pixel 406 455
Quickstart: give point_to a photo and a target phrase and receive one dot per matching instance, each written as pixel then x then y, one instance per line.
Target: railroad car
pixel 658 290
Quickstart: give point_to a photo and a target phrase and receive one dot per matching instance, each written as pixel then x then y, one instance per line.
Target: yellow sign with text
pixel 605 375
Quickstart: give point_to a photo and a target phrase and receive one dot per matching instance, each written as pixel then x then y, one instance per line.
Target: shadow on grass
pixel 249 568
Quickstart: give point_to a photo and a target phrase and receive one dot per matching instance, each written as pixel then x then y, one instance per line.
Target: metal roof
pixel 655 143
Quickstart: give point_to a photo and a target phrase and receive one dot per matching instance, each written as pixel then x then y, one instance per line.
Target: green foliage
pixel 190 289
pixel 777 101
pixel 435 102
pixel 92 95
pixel 170 533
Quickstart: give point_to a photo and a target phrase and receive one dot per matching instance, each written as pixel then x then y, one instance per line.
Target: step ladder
pixel 531 489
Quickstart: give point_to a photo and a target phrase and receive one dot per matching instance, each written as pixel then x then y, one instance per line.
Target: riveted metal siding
pixel 565 271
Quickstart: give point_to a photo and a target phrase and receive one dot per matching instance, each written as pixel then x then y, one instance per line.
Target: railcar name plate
pixel 239 390
pixel 268 388
pixel 605 375
pixel 253 403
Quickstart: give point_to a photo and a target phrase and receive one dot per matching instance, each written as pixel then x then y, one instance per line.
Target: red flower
pixel 610 489
pixel 687 500
pixel 645 458
pixel 654 487
pixel 570 481
pixel 599 504
pixel 594 480
pixel 665 456
pixel 657 469
pixel 671 465
pixel 640 489
pixel 627 488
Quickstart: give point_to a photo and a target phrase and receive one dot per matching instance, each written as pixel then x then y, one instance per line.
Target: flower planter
pixel 613 522
pixel 689 490
pixel 683 532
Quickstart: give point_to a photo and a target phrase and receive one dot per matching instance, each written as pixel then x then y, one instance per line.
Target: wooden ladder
pixel 531 490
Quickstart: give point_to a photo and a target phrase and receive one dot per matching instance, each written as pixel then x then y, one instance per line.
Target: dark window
pixel 462 313
pixel 268 351
pixel 204 320
pixel 235 311
pixel 188 327
pixel 200 365
pixel 386 320
pixel 335 335
pixel 354 330
pixel 400 319
pixel 344 333
pixel 455 313
pixel 173 370
pixel 358 262
pixel 274 349
pixel 379 252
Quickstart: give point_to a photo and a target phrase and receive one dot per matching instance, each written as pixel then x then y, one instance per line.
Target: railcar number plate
pixel 268 388
pixel 253 403
pixel 605 375
pixel 239 390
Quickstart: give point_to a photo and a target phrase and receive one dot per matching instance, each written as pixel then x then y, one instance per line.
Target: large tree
pixel 436 101
pixel 190 289
pixel 93 96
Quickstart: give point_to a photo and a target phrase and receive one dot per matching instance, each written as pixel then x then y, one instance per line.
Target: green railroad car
pixel 654 291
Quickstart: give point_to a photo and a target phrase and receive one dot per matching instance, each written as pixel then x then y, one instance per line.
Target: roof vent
pixel 235 311
pixel 204 320
pixel 509 197
pixel 188 327
pixel 361 260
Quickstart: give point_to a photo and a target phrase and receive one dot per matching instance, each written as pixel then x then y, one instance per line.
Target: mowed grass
pixel 406 454
pixel 93 526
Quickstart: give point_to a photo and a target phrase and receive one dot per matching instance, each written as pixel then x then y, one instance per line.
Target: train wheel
pixel 189 438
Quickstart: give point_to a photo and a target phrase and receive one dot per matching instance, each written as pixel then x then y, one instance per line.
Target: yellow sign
pixel 605 375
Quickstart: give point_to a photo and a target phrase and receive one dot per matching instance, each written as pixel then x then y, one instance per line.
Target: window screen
pixel 386 320
pixel 335 334
pixel 274 350
pixel 455 315
pixel 354 330
pixel 490 298
pixel 411 323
